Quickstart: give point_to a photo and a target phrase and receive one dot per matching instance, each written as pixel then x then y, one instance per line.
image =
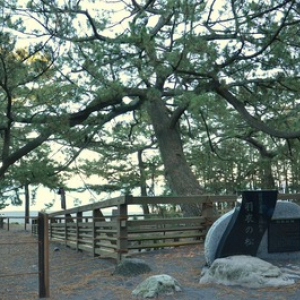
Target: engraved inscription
pixel 248 224
pixel 284 235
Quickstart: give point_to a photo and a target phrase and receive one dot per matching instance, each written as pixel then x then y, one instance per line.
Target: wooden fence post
pixel 43 247
pixel 122 236
pixel 68 219
pixel 209 212
pixel 97 217
pixel 78 220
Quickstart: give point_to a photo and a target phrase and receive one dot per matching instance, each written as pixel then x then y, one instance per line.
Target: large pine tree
pixel 161 56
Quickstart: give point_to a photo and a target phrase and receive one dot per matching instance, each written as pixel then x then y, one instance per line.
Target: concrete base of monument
pixel 247 271
pixel 283 210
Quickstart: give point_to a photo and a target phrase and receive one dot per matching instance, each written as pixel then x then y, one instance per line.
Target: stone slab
pixel 284 235
pixel 246 271
pixel 283 210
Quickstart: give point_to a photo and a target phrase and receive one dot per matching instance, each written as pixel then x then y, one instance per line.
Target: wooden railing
pixel 42 241
pixel 5 221
pixel 116 234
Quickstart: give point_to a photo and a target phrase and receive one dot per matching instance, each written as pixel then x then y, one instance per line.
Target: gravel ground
pixel 78 276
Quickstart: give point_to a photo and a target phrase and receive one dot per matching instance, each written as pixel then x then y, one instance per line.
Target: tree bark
pixel 266 174
pixel 143 184
pixel 178 173
pixel 27 203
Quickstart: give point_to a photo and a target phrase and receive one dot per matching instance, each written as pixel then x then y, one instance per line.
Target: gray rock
pixel 156 285
pixel 282 210
pixel 131 267
pixel 214 235
pixel 246 271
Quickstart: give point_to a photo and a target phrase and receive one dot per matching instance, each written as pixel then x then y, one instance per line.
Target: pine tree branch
pixel 21 152
pixel 252 121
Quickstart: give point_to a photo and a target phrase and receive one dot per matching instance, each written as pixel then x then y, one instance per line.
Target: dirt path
pixel 78 276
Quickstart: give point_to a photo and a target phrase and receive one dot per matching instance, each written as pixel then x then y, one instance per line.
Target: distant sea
pixel 19 216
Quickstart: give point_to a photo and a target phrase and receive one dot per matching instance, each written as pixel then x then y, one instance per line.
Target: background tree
pixel 21 71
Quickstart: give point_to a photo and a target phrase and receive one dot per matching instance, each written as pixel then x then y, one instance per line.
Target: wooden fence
pixel 118 233
pixel 41 222
pixel 5 221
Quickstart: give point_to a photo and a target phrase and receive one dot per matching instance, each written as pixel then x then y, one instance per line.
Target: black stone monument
pixel 248 224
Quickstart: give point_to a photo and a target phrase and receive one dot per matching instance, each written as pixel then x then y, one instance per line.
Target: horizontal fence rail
pixel 5 221
pixel 118 233
pixel 165 232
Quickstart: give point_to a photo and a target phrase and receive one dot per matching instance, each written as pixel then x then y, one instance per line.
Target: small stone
pixel 131 267
pixel 156 285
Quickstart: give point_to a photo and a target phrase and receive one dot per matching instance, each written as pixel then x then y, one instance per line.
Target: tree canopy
pixel 211 76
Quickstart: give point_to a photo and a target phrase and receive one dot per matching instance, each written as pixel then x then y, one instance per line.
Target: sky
pixel 45 196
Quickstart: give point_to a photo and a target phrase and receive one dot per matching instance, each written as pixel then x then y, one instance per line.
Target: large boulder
pixel 246 271
pixel 214 236
pixel 156 285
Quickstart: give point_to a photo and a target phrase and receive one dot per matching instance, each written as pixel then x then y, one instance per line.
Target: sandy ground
pixel 78 276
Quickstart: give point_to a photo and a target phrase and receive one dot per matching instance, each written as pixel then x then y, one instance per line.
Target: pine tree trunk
pixel 178 173
pixel 143 184
pixel 266 174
